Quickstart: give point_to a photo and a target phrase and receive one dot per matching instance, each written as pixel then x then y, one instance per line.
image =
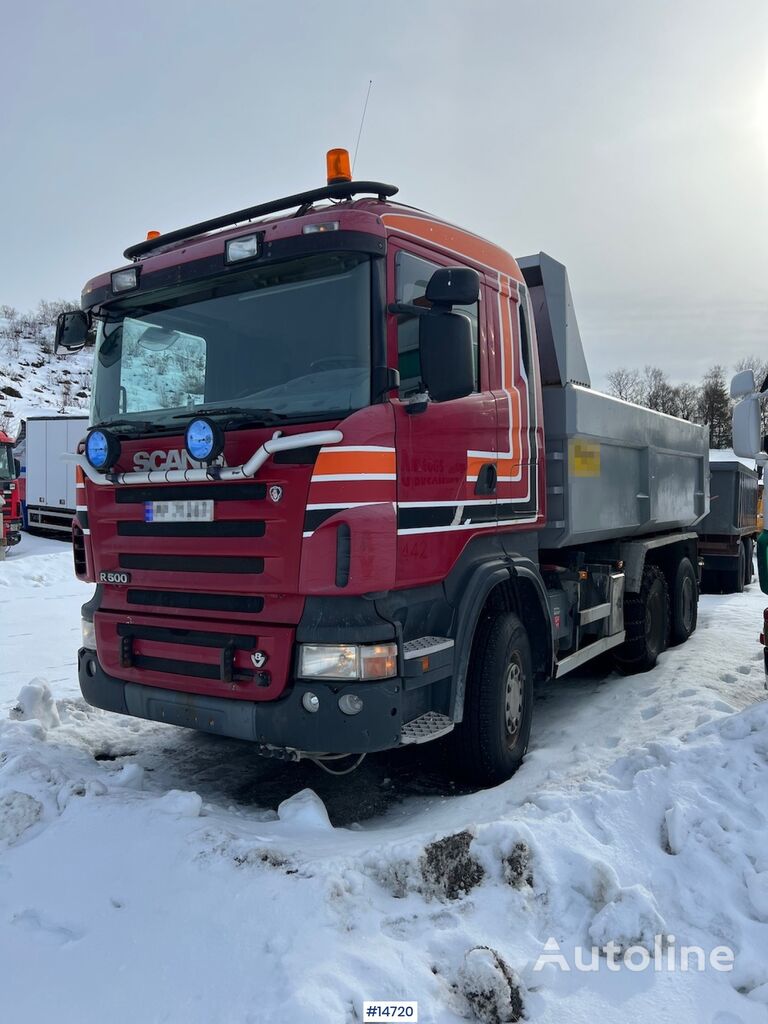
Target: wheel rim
pixel 513 699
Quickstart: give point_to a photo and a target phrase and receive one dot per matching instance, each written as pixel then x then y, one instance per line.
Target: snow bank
pixel 154 873
pixel 35 701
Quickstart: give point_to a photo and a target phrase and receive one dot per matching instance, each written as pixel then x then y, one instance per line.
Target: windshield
pixel 292 339
pixel 7 468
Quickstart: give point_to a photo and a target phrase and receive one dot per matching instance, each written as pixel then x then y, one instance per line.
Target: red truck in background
pixel 10 498
pixel 347 486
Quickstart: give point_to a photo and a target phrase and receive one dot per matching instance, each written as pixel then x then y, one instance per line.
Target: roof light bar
pixel 340 190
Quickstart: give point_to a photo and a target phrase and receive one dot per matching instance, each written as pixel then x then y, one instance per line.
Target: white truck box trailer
pixel 50 485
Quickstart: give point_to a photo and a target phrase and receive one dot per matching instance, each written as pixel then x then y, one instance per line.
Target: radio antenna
pixel 362 122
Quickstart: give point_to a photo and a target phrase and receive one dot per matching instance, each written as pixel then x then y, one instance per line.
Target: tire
pixel 646 622
pixel 749 554
pixel 734 578
pixel 684 602
pixel 488 746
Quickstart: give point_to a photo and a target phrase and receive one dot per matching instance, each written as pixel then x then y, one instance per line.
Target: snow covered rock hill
pixel 34 382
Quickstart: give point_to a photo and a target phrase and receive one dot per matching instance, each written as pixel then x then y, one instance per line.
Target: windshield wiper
pixel 241 412
pixel 136 424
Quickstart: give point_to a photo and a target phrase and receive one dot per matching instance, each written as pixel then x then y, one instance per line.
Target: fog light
pixel 204 440
pixel 351 704
pixel 89 634
pixel 310 702
pixel 102 449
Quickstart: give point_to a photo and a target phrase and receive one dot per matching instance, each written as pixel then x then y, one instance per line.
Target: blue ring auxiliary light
pixel 204 440
pixel 102 449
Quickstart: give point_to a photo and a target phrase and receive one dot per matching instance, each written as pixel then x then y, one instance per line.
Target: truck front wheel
pixel 491 741
pixel 646 621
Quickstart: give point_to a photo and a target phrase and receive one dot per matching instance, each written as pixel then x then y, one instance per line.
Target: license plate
pixel 200 511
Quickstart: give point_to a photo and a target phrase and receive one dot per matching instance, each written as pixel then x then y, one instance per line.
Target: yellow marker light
pixel 337 163
pixel 152 234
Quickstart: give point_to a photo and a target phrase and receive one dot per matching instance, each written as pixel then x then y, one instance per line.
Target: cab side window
pixel 412 275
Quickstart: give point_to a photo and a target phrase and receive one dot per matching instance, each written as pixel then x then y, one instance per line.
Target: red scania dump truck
pixel 347 486
pixel 10 505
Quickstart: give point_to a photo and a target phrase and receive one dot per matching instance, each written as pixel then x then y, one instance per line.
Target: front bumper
pixel 276 726
pixel 12 529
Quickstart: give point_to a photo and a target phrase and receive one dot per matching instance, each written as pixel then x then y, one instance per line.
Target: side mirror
pixel 743 384
pixel 71 330
pixel 453 286
pixel 445 349
pixel 746 427
pixel 17 468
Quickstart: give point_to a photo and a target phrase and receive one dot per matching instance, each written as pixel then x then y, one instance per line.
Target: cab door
pixel 521 440
pixel 445 492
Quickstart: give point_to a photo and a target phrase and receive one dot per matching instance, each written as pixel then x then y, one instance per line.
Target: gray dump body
pixel 614 469
pixel 732 500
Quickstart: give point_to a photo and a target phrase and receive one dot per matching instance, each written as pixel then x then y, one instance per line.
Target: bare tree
pixel 687 401
pixel 48 310
pixel 626 384
pixel 657 392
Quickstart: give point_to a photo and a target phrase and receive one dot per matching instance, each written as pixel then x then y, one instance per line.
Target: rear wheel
pixel 490 743
pixel 735 577
pixel 749 554
pixel 684 602
pixel 646 622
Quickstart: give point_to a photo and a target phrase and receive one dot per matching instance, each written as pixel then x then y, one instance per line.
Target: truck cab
pixel 9 494
pixel 313 491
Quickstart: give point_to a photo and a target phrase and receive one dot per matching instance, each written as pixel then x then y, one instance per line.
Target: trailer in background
pixel 728 533
pixel 50 482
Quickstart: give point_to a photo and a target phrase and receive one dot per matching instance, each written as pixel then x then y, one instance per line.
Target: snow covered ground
pixel 153 874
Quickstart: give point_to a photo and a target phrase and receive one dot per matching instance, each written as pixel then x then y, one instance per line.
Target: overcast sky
pixel 628 140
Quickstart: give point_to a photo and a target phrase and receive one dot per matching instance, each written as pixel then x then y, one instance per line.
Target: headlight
pixel 347 661
pixel 89 634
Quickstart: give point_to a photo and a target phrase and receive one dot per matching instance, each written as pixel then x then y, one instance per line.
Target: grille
pixel 233 564
pixel 191 492
pixel 201 602
pixel 220 528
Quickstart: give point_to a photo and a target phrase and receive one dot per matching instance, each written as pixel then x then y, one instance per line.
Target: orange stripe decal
pixel 354 463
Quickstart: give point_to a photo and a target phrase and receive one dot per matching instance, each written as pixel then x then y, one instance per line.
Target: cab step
pixel 423 646
pixel 425 727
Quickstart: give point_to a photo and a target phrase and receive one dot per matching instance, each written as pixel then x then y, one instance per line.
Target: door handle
pixel 486 479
